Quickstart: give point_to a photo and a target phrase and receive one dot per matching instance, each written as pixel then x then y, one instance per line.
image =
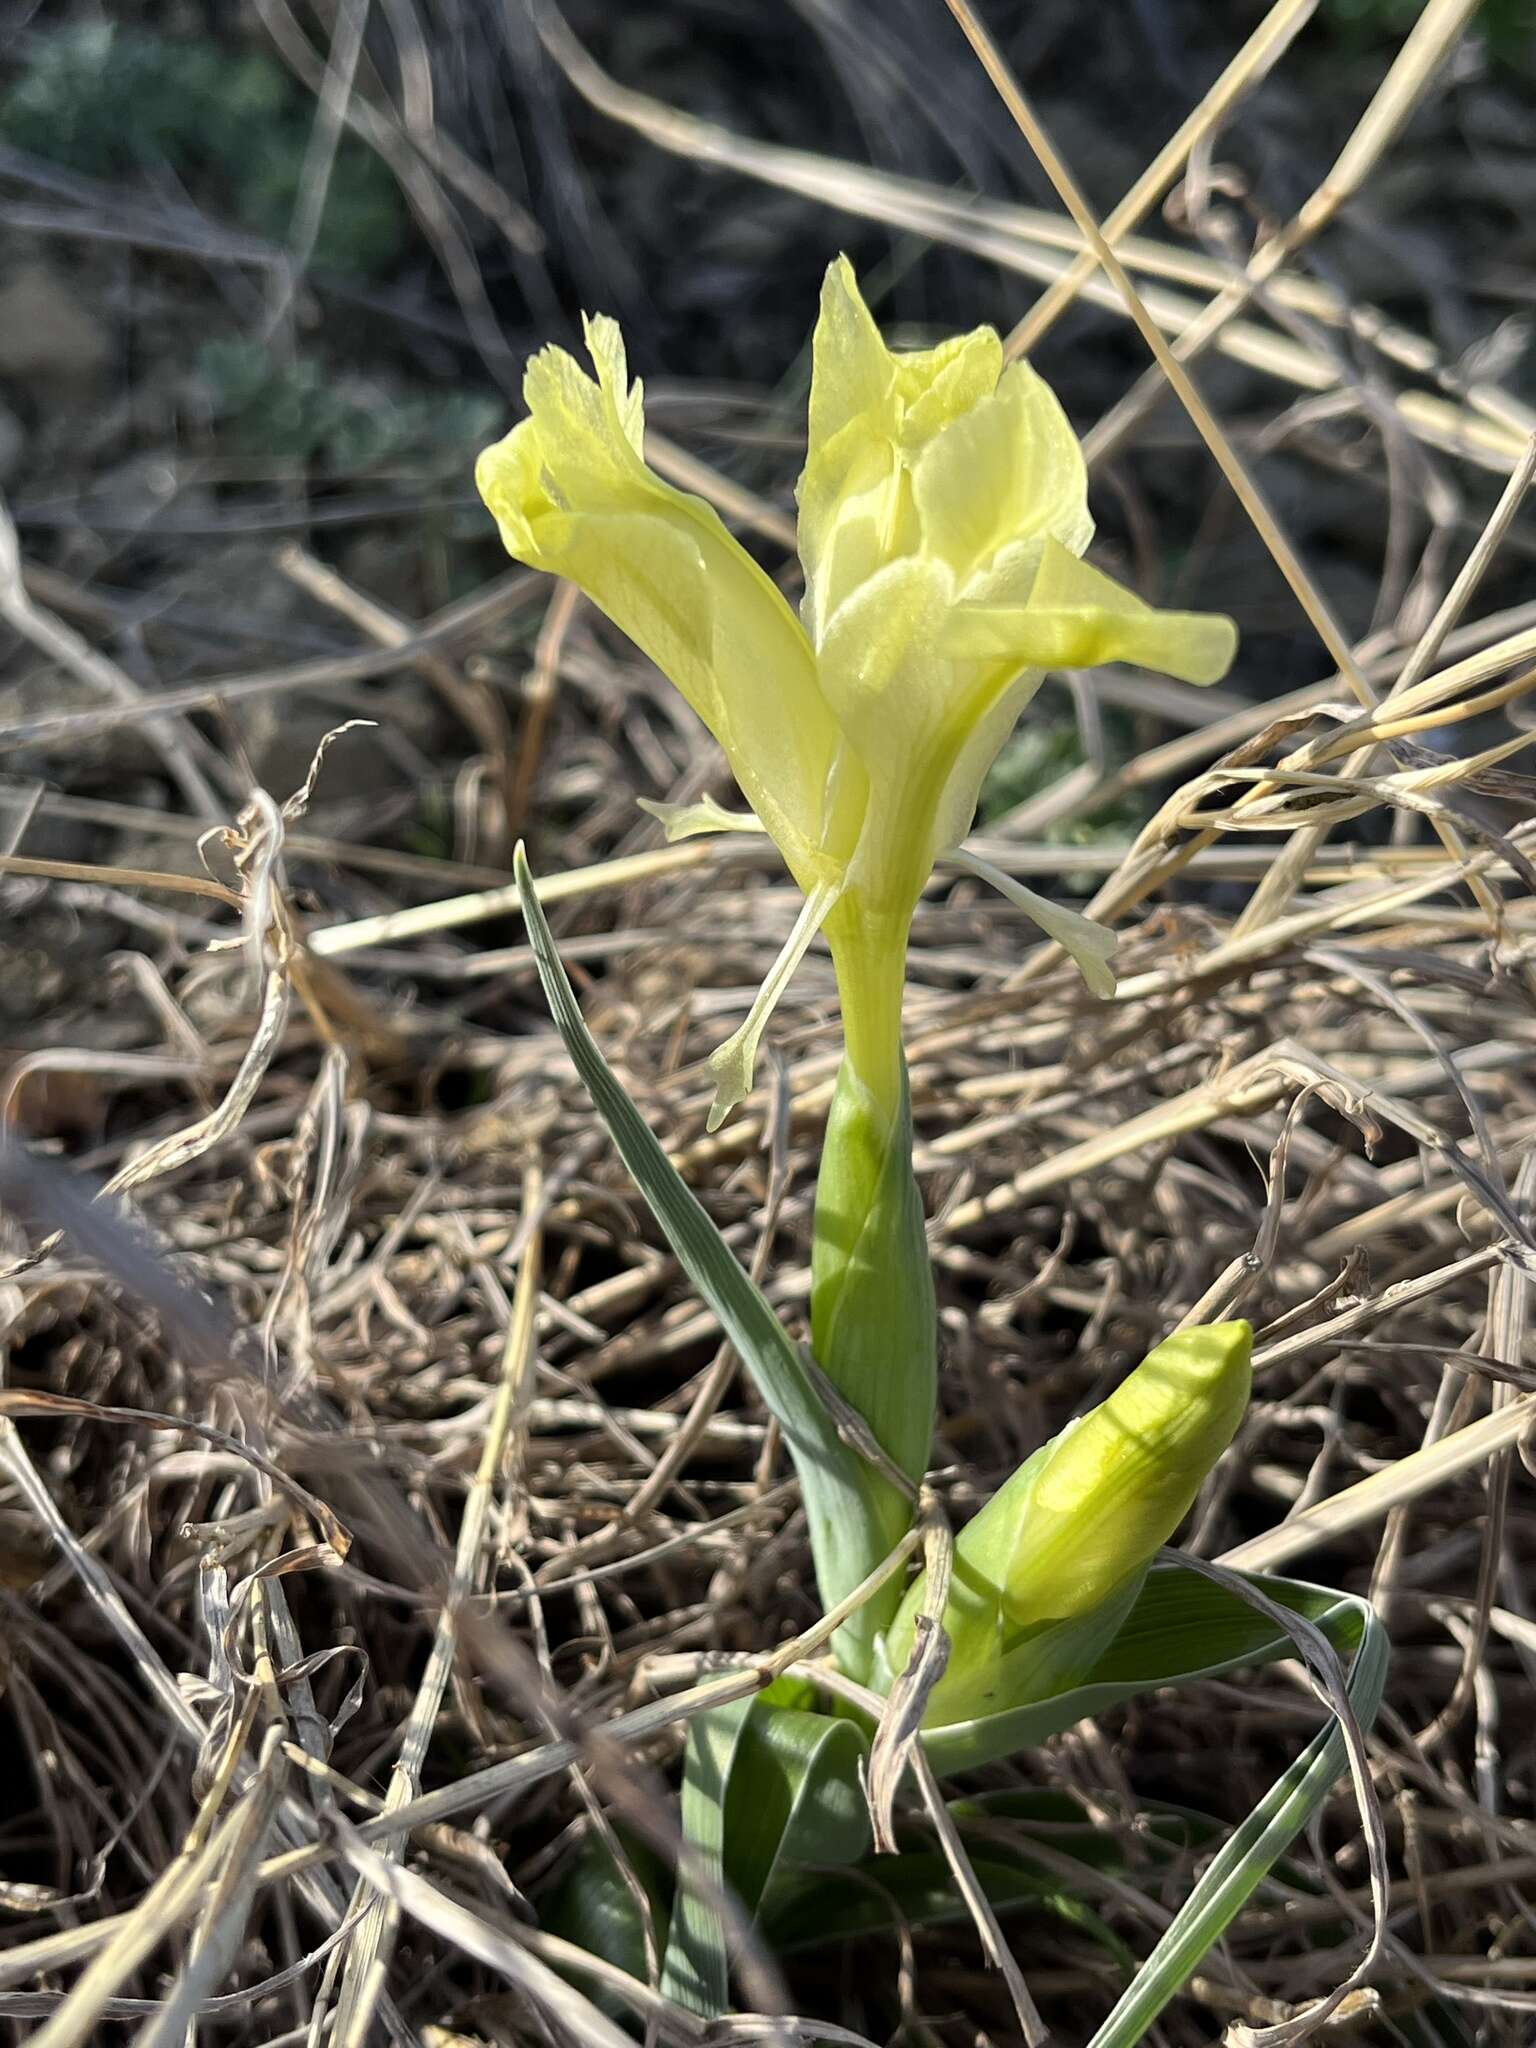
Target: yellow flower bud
pixel 943 508
pixel 1070 1534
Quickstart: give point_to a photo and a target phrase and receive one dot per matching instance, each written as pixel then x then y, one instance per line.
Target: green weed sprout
pixel 942 523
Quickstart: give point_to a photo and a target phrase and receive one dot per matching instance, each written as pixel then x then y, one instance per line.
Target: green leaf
pixel 767 1789
pixel 845 1498
pixel 794 1799
pixel 874 1324
pixel 593 1907
pixel 696 1971
pixel 1241 1865
pixel 1177 1632
pixel 1182 1627
pixel 917 1888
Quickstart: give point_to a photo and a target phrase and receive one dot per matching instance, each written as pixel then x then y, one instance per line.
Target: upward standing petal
pixel 872 410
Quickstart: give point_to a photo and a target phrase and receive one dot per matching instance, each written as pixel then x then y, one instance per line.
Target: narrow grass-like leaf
pixel 696 1970
pixel 844 1497
pixel 1251 1851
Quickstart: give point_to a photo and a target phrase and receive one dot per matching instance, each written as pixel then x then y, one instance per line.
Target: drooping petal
pixel 1077 617
pixel 733 1063
pixel 1092 945
pixel 695 820
pixel 572 494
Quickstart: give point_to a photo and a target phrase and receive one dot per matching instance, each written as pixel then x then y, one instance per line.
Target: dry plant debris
pixel 375 1507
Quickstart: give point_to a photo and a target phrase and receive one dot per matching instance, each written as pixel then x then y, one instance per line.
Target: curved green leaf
pixel 1176 1608
pixel 696 1971
pixel 767 1789
pixel 1251 1851
pixel 845 1498
pixel 1182 1627
pixel 794 1799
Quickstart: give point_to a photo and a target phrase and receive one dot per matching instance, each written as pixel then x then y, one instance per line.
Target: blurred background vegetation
pixel 237 304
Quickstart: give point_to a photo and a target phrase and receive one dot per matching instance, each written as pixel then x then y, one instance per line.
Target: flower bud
pixel 1065 1542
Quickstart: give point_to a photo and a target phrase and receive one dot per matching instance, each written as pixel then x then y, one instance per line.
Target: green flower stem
pixel 873 1322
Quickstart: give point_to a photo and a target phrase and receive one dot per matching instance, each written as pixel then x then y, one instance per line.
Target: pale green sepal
pixel 876 665
pixel 1091 945
pixel 694 820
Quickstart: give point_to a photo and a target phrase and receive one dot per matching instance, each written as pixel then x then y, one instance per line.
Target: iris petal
pixel 572 494
pixel 1077 617
pixel 943 511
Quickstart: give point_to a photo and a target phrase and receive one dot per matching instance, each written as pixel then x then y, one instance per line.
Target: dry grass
pixel 367 1501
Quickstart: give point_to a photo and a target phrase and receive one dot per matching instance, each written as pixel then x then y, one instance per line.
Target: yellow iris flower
pixel 943 514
